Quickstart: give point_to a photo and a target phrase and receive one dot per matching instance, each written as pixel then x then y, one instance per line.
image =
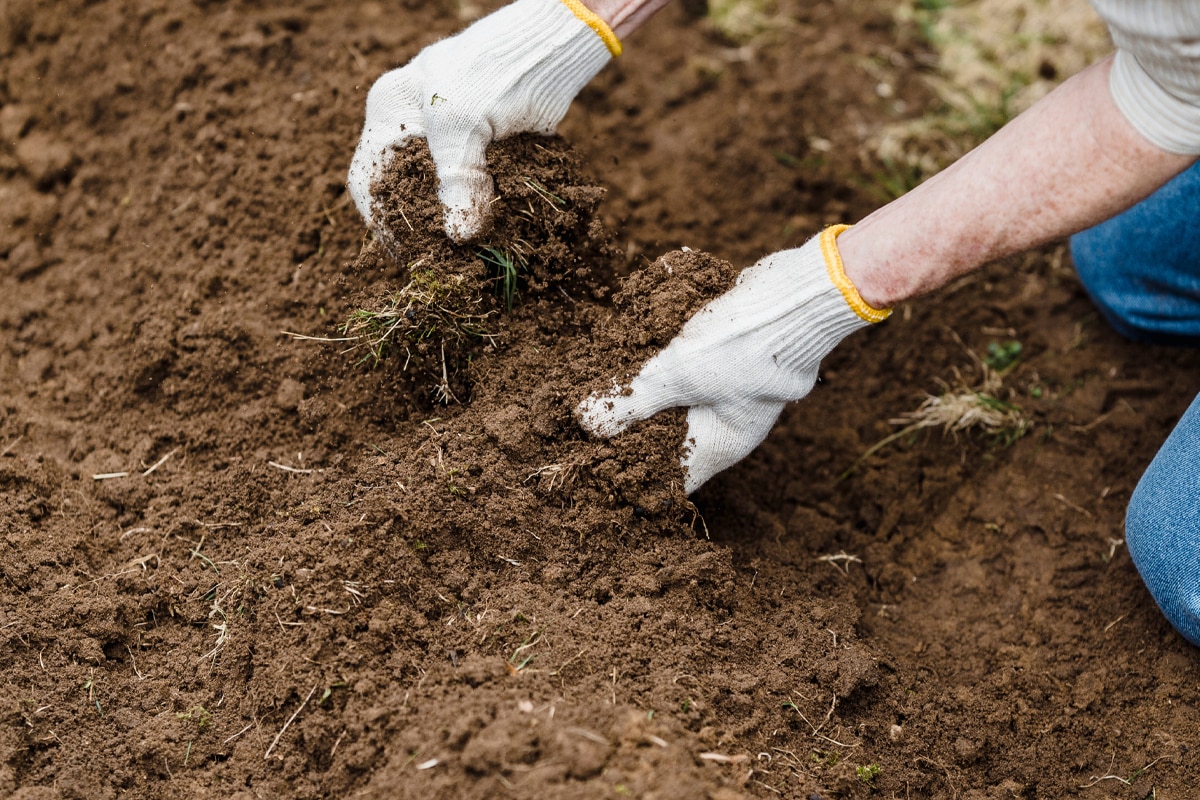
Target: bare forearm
pixel 1069 162
pixel 625 16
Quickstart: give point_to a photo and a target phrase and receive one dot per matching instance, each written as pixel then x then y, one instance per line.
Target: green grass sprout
pixel 1002 355
pixel 868 773
pixel 507 266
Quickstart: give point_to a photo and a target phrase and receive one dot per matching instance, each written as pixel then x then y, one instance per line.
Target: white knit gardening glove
pixel 514 71
pixel 740 358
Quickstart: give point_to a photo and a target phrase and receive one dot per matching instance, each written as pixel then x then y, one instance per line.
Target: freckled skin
pixel 625 16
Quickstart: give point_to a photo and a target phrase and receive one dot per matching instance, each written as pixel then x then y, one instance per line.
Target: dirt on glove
pixel 243 564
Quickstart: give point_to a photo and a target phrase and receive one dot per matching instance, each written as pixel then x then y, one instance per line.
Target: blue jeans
pixel 1158 301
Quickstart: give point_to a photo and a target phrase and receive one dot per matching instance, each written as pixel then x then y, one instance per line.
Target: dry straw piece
pixel 959 408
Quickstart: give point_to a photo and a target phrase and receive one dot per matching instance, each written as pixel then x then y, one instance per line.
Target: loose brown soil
pixel 241 564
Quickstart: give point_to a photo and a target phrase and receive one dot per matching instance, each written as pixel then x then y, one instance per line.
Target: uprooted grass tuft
pixel 960 407
pixel 994 59
pixel 427 309
pixel 429 316
pixel 517 662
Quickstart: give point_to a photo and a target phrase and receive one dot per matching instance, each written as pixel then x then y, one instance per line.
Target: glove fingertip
pixel 714 444
pixel 599 416
pixel 700 461
pixel 466 204
pixel 393 116
pixel 463 225
pixel 364 169
pixel 694 478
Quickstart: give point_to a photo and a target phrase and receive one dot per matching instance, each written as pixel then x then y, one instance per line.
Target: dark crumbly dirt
pixel 237 564
pixel 523 368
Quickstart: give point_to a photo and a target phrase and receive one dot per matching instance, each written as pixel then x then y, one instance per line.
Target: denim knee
pixel 1141 267
pixel 1115 303
pixel 1162 526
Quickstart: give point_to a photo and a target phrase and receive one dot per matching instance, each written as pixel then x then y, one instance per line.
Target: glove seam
pixel 593 21
pixel 837 275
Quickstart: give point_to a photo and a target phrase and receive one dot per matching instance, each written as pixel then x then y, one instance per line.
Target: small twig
pixel 591 736
pixel 1113 544
pixel 286 468
pixel 141 561
pixel 160 462
pixel 307 338
pixel 104 476
pixel 1071 505
pixel 696 515
pixel 291 719
pixel 832 705
pixel 816 731
pixel 315 610
pixel 132 531
pixel 11 445
pixel 843 568
pixel 721 758
pixel 291 624
pixel 352 589
pixel 875 448
pixel 1123 404
pixel 212 525
pixel 568 662
pixel 358 57
pixel 239 733
pixel 133 663
pixel 552 469
pixel 1127 781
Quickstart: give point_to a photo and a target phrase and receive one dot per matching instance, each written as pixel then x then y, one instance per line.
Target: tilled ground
pixel 237 563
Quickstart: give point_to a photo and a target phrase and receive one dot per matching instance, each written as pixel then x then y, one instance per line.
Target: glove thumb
pixel 717 441
pixel 609 413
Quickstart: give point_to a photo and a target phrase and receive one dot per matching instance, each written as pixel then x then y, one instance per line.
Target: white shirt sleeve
pixel 1155 78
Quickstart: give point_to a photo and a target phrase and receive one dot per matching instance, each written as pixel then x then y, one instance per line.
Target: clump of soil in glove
pixel 505 336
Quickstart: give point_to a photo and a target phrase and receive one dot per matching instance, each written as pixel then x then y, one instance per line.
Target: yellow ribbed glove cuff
pixel 837 275
pixel 594 22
